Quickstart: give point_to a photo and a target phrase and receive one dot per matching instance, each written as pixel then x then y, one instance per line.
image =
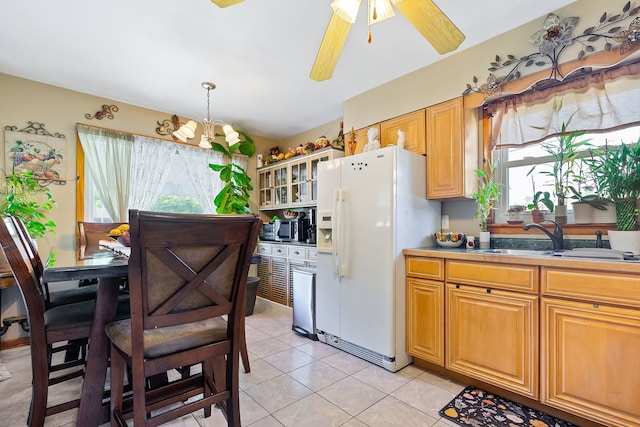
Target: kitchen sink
pixel 517 252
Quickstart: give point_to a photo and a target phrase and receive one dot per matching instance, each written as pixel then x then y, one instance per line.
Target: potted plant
pixel 539 198
pixel 24 197
pixel 617 174
pixel 486 196
pixel 589 205
pixel 564 152
pixel 234 196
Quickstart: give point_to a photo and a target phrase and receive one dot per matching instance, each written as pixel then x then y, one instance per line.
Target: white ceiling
pixel 156 53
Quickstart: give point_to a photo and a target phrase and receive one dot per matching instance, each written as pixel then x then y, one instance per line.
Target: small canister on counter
pixel 471 242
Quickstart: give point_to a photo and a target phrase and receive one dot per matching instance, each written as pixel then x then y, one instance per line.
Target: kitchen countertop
pixel 619 266
pixel 271 242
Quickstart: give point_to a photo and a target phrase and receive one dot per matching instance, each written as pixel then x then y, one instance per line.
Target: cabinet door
pixel 413 126
pixel 293 262
pixel 590 361
pixel 265 180
pixel 279 280
pixel 280 185
pixel 445 150
pixel 300 182
pixel 492 335
pixel 425 320
pixel 264 273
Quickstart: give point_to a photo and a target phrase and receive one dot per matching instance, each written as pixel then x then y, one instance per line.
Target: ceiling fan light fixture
pixel 346 9
pixel 382 9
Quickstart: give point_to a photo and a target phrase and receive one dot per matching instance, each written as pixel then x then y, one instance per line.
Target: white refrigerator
pixel 371 206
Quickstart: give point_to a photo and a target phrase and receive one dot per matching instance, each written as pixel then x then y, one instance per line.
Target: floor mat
pixel 478 408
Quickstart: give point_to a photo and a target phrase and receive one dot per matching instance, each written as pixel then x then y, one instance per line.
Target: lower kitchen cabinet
pixel 492 335
pixel 276 269
pixel 590 362
pixel 425 309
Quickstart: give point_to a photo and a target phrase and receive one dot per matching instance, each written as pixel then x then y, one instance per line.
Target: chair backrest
pixel 29 279
pixel 90 233
pixel 185 268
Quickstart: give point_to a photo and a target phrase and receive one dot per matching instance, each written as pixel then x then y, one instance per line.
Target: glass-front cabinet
pixel 293 182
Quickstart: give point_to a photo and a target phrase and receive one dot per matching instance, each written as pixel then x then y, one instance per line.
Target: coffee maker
pixel 311 231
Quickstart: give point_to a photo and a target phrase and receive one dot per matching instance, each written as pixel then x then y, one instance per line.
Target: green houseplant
pixel 234 196
pixel 487 194
pixel 23 196
pixel 564 153
pixel 616 171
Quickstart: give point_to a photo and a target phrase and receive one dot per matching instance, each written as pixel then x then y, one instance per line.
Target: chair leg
pixel 139 393
pixel 117 386
pixel 243 352
pixel 39 388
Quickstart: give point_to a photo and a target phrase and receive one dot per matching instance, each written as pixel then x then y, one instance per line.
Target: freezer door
pixel 327 296
pixel 367 293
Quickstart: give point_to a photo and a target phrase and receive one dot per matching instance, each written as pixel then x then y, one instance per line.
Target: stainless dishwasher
pixel 304 302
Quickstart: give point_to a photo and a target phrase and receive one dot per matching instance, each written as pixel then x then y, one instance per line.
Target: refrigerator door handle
pixel 343 241
pixel 335 233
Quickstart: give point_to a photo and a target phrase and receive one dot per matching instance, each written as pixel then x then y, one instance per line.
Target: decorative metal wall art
pixel 555 36
pixel 36 150
pixel 106 111
pixel 168 126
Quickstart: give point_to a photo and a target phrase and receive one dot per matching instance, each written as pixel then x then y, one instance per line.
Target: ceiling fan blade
pixel 225 3
pixel 330 48
pixel 434 25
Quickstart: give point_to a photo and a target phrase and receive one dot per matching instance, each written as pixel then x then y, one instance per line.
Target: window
pixel 516 163
pixel 143 173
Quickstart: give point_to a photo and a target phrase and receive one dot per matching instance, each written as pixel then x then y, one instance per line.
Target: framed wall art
pixel 36 150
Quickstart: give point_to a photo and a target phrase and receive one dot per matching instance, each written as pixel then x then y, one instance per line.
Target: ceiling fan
pixel 425 16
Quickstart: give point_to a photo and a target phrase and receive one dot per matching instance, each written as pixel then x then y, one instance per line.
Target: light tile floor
pixel 293 382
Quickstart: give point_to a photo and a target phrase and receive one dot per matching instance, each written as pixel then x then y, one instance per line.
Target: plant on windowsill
pixel 539 198
pixel 617 174
pixel 234 196
pixel 589 205
pixel 486 196
pixel 564 151
pixel 24 197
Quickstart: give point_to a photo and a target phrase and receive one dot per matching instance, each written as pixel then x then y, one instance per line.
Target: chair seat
pixel 163 341
pixel 69 316
pixel 70 296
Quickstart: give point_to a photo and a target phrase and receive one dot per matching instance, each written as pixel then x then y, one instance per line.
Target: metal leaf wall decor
pixel 610 34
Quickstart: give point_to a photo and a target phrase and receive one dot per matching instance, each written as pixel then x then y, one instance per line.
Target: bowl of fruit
pixel 121 234
pixel 289 214
pixel 449 240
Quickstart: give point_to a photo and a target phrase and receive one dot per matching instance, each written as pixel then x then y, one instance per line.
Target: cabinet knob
pixel 488 290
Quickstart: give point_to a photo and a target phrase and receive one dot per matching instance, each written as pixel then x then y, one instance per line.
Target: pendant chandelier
pixel 188 130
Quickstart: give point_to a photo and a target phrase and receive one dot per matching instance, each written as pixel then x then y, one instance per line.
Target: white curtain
pixel 603 101
pixel 150 164
pixel 206 182
pixel 107 156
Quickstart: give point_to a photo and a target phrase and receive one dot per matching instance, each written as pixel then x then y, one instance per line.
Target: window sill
pixel 568 229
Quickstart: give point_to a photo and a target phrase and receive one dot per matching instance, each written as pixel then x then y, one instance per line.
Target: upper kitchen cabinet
pixel 452 150
pixel 293 182
pixel 413 126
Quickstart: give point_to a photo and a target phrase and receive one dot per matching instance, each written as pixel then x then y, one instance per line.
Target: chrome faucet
pixel 557 237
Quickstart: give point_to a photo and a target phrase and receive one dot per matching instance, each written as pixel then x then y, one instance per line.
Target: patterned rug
pixel 4 373
pixel 478 408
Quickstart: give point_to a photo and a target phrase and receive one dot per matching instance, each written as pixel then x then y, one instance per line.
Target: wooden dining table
pixel 109 266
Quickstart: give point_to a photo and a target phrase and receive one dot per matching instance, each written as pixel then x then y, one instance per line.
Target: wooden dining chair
pixel 52 297
pixel 50 329
pixel 90 233
pixel 185 272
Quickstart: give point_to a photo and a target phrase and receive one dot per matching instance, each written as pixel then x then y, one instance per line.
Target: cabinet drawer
pixel 428 268
pixel 263 249
pixel 279 250
pixel 606 287
pixel 493 275
pixel 312 254
pixel 296 252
